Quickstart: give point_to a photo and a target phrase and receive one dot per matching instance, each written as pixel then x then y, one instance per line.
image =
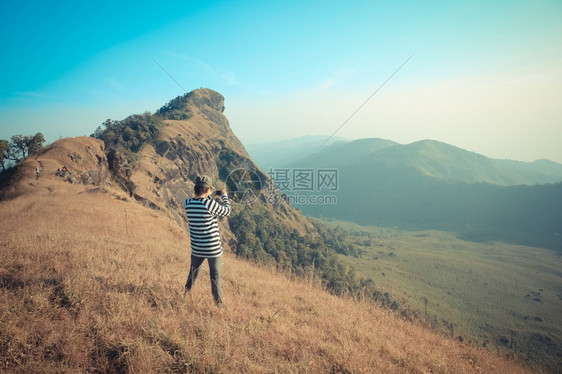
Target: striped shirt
pixel 203 226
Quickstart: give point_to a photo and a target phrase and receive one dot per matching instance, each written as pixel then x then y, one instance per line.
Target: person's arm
pixel 220 209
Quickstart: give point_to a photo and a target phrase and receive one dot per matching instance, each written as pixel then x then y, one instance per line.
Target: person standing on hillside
pixel 202 212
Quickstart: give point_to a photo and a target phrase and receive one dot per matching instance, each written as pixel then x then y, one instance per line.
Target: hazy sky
pixel 485 76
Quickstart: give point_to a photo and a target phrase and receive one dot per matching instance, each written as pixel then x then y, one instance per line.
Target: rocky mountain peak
pixel 205 97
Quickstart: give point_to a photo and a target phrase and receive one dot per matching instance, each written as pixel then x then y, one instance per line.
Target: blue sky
pixel 485 75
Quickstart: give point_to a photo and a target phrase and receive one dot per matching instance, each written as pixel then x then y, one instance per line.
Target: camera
pixel 218 193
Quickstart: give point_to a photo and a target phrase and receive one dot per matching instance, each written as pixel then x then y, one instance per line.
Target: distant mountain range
pixel 431 185
pixel 427 157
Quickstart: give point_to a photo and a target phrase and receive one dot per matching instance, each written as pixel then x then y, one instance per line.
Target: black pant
pixel 215 265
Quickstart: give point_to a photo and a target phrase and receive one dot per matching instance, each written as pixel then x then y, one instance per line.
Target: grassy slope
pixel 495 293
pixel 90 282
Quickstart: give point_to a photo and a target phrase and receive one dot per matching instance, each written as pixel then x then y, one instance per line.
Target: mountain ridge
pixel 433 185
pixel 429 157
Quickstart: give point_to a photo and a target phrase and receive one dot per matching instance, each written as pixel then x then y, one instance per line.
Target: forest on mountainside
pixel 527 215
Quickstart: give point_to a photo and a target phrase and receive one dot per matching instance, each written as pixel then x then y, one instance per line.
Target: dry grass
pixel 92 283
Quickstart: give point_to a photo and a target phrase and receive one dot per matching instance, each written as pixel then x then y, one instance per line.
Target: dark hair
pixel 200 189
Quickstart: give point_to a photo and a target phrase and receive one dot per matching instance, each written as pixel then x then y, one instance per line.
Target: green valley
pixel 492 294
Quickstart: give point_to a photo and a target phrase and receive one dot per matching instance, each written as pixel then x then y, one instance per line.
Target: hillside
pixel 190 135
pixel 92 278
pixel 155 158
pixel 397 197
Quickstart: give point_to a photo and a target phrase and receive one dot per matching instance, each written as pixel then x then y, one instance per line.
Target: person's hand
pixel 220 192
